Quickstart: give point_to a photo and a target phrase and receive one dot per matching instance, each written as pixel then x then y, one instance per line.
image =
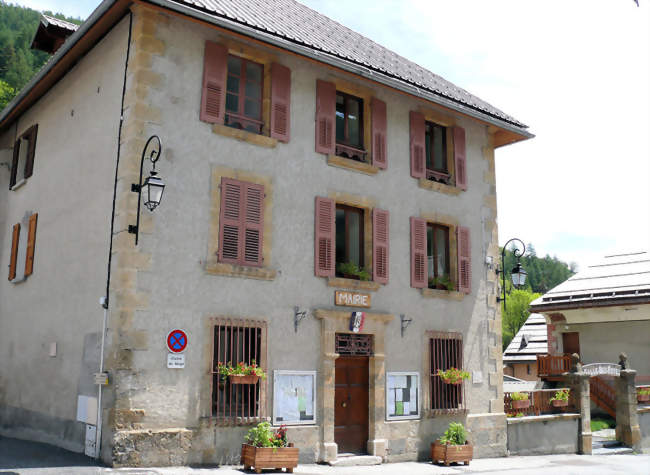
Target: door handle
pixel 344 404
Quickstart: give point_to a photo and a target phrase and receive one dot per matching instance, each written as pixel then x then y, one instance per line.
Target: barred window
pixel 446 351
pixel 238 341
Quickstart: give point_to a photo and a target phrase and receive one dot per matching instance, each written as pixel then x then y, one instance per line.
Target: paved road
pixel 30 458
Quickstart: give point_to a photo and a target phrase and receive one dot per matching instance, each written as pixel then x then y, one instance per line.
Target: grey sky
pixel 576 72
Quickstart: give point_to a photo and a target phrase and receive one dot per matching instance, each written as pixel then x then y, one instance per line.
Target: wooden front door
pixel 351 404
pixel 571 342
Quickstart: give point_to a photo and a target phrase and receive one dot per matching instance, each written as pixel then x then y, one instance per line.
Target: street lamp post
pixel 518 273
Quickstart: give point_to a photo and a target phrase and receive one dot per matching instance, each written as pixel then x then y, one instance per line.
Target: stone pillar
pixel 579 384
pixel 627 419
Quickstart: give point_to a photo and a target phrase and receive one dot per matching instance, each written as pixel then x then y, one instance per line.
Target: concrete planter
pixel 269 457
pixel 446 453
pixel 243 378
pixel 559 403
pixel 522 404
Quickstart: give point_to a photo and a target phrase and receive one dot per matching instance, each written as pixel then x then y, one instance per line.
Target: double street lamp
pixel 518 274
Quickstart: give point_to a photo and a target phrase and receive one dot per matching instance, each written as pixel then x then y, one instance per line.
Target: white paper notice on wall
pixel 176 361
pixel 91 440
pixel 477 377
pixel 87 409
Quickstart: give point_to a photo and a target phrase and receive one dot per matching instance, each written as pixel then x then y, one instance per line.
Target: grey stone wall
pixel 644 424
pixel 542 435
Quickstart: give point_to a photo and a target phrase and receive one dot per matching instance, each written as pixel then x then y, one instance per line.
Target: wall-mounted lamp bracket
pixel 298 317
pixel 404 323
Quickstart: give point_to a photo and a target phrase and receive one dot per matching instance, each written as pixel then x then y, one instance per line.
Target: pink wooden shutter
pixel 253 224
pixel 418 253
pixel 230 220
pixel 213 98
pixel 325 237
pixel 379 130
pixel 459 158
pixel 325 116
pixel 280 102
pixel 417 145
pixel 464 259
pixel 380 234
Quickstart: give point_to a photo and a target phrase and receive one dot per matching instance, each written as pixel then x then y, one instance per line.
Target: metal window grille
pixel 353 344
pixel 446 351
pixel 238 341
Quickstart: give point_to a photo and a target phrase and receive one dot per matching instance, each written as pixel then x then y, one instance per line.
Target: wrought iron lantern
pixel 518 274
pixel 153 186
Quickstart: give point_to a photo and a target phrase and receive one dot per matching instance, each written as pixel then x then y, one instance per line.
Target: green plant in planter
pixel 561 395
pixel 519 396
pixel 643 392
pixel 453 375
pixel 454 435
pixel 263 435
pixel 349 268
pixel 519 414
pixel 443 281
pixel 241 369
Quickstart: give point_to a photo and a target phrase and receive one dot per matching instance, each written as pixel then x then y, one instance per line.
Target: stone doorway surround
pixel 337 321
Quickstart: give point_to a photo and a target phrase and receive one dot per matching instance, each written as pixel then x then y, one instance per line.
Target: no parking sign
pixel 176 344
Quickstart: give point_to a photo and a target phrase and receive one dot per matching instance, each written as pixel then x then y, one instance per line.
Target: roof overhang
pixel 51 34
pixel 109 12
pixel 619 312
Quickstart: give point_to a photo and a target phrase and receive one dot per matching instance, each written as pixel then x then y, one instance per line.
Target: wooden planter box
pixel 451 453
pixel 643 397
pixel 560 403
pixel 269 457
pixel 243 379
pixel 523 404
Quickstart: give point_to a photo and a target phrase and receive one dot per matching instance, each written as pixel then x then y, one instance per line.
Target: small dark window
pixel 234 342
pixel 527 369
pixel 436 152
pixel 438 257
pixel 23 159
pixel 244 95
pixel 349 126
pixel 349 241
pixel 445 351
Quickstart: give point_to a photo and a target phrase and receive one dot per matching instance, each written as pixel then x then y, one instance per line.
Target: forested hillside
pixel 544 273
pixel 18 63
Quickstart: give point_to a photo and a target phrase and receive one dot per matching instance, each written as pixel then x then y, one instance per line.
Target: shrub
pixel 453 375
pixel 519 396
pixel 241 369
pixel 454 435
pixel 561 395
pixel 264 436
pixel 350 268
pixel 643 392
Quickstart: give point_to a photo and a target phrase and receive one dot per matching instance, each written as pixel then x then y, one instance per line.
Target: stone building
pixel 310 174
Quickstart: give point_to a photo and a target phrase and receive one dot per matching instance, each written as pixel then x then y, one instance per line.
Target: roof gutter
pixel 5 115
pixel 341 64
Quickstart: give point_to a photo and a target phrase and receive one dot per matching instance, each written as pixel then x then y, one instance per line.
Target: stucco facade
pixel 159 416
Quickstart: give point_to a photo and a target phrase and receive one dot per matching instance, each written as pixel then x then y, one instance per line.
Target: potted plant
pixel 441 283
pixel 268 448
pixel 453 375
pixel 560 398
pixel 242 373
pixel 452 446
pixel 643 395
pixel 350 270
pixel 520 400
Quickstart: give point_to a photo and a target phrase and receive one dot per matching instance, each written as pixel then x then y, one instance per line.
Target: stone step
pixel 621 450
pixel 345 460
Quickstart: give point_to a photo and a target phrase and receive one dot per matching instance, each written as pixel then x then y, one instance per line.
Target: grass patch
pixel 602 423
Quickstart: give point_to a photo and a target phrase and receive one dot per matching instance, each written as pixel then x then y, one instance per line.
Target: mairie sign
pixel 351 299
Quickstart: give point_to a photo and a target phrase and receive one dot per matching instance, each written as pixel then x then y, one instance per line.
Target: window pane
pixel 340 236
pixel 234 65
pixel 233 84
pixel 22 159
pixel 340 118
pixel 252 109
pixel 254 72
pixel 354 122
pixel 253 90
pixel 430 252
pixel 354 234
pixel 427 142
pixel 439 159
pixel 441 251
pixel 232 103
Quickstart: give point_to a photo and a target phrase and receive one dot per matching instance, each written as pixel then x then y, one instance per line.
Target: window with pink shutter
pixel 464 259
pixel 417 145
pixel 380 245
pixel 418 253
pixel 213 97
pixel 324 237
pixel 325 116
pixel 379 131
pixel 459 158
pixel 241 222
pixel 280 102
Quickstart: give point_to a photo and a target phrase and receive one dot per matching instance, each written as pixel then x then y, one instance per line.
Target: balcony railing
pixel 540 403
pixel 553 365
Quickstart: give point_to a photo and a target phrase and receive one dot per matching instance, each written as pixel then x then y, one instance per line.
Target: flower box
pixel 269 457
pixel 243 378
pixel 559 403
pixel 643 397
pixel 521 404
pixel 447 453
pixel 449 381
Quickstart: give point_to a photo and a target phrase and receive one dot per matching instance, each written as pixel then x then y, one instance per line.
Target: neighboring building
pixel 516 385
pixel 602 311
pixel 291 146
pixel 520 357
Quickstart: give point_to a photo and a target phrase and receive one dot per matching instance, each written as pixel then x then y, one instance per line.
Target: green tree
pixel 516 313
pixel 6 94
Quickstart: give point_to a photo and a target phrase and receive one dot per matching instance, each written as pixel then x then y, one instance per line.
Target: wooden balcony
pixel 551 366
